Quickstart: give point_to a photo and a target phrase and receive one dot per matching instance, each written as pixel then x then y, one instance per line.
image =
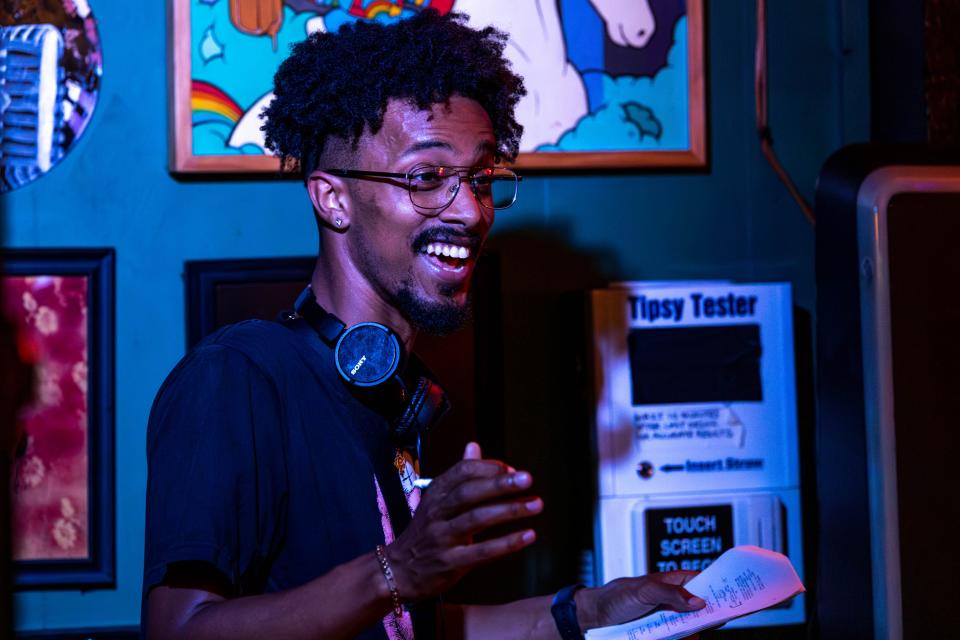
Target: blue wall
pixel 733 221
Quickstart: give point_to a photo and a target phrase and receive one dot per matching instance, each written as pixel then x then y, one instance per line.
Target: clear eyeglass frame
pixel 433 188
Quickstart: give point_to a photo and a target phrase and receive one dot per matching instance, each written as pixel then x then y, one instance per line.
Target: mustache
pixel 444 234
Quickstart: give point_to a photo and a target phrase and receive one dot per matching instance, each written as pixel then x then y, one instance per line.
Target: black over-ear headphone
pixel 369 356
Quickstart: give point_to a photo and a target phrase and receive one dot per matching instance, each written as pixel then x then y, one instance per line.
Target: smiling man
pixel 405 241
pixel 283 499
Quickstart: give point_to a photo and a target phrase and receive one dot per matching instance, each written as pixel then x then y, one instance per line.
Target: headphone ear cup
pixel 428 405
pixel 368 354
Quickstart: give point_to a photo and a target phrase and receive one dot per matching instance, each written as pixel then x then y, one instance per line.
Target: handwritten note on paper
pixel 743 580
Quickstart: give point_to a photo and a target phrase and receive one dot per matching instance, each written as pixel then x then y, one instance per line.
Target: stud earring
pixel 339 222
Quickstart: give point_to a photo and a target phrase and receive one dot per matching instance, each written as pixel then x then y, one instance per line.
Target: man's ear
pixel 330 199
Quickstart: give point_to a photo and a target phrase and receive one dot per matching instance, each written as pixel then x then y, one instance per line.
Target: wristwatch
pixel 564 611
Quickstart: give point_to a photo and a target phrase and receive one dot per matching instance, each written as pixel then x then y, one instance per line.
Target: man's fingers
pixel 486 516
pixel 466 470
pixel 458 499
pixel 470 468
pixel 660 591
pixel 472 555
pixel 472 452
pixel 688 576
pixel 678 577
pixel 691 601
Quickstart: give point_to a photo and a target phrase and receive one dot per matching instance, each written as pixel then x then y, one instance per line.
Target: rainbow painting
pixel 209 103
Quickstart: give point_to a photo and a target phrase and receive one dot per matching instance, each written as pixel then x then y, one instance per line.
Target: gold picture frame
pixel 664 126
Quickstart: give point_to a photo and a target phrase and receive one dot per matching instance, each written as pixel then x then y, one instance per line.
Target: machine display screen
pixel 714 363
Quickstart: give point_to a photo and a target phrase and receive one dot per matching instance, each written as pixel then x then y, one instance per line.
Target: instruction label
pixel 688 538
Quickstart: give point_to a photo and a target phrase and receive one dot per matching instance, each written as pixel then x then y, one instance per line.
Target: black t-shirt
pixel 262 464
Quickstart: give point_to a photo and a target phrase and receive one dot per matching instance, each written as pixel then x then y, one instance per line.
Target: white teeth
pixel 448 250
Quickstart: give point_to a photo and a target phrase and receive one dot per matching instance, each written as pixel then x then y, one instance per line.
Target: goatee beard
pixel 436 318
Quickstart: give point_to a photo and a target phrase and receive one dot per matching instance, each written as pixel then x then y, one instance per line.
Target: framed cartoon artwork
pixel 61 303
pixel 610 84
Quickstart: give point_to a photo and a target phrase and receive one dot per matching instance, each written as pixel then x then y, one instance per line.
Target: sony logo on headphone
pixel 357 366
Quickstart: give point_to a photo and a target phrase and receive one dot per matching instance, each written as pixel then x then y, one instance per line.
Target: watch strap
pixel 564 611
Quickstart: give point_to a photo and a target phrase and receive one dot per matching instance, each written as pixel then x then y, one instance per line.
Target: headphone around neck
pixel 371 360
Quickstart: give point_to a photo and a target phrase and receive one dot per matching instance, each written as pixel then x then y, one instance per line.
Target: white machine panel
pixel 744 438
pixel 696 428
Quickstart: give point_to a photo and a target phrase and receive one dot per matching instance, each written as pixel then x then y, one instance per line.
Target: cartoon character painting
pixel 556 97
pixel 601 75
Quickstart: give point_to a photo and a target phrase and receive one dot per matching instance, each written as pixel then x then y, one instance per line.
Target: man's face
pixel 393 244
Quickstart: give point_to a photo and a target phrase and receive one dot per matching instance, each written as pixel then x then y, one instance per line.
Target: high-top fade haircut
pixel 338 85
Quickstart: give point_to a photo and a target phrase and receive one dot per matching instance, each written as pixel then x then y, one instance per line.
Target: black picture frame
pixel 468 362
pixel 221 292
pixel 98 569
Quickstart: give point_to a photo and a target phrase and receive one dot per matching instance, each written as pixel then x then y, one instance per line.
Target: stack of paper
pixel 743 580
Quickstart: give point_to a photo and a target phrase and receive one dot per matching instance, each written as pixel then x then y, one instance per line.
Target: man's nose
pixel 466 209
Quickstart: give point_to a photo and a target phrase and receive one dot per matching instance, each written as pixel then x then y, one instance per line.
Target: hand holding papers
pixel 743 580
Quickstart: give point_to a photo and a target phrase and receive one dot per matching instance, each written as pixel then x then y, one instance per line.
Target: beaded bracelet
pixel 391 583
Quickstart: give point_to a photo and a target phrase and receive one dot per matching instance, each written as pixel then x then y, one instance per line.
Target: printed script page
pixel 743 580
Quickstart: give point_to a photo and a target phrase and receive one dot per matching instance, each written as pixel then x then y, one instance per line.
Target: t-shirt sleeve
pixel 215 486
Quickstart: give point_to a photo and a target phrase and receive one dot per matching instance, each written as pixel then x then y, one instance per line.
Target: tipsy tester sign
pixel 700 305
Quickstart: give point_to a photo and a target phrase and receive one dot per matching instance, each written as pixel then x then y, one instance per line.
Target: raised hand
pixel 437 548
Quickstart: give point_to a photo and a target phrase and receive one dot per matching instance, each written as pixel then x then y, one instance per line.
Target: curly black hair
pixel 338 85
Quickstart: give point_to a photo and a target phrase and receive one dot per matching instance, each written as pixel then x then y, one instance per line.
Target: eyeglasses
pixel 433 187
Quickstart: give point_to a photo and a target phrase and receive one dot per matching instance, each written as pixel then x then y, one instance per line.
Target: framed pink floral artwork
pixel 62 483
